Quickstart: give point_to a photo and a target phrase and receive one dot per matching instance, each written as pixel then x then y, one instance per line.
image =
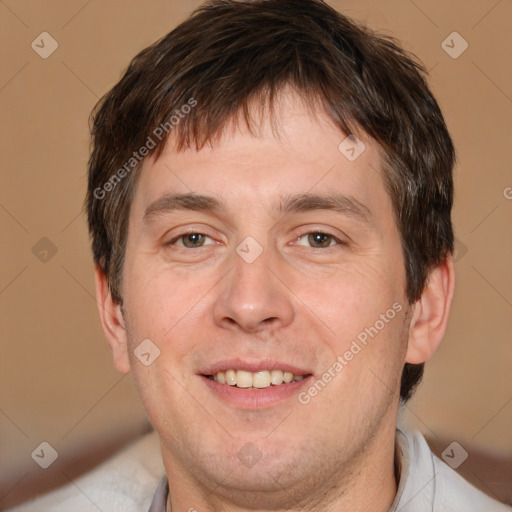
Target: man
pixel 269 200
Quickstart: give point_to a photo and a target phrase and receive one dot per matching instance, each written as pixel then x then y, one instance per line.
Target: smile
pixel 254 380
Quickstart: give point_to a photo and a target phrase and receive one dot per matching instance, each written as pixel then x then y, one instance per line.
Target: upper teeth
pixel 262 379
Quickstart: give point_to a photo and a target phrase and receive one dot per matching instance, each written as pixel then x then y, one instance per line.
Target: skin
pixel 298 303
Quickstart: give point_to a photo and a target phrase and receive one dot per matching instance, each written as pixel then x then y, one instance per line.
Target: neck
pixel 369 482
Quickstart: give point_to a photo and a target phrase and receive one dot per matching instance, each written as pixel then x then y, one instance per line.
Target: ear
pixel 430 314
pixel 112 321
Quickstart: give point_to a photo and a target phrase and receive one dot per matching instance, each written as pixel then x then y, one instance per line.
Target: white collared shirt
pixel 127 483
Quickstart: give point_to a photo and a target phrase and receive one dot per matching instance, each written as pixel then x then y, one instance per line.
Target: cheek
pixel 360 311
pixel 161 300
pixel 351 298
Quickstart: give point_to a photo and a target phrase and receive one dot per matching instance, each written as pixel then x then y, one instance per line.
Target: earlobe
pixel 430 315
pixel 112 321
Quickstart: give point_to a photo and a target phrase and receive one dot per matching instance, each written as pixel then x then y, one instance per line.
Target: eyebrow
pixel 171 202
pixel 340 203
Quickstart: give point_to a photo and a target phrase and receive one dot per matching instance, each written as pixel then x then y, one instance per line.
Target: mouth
pixel 261 379
pixel 254 385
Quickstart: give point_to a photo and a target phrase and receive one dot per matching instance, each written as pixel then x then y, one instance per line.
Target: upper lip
pixel 252 366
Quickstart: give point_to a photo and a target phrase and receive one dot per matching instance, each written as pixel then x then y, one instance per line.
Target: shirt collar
pixel 407 450
pixel 159 503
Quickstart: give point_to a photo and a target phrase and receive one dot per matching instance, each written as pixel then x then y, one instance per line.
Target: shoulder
pixel 434 484
pixel 126 482
pixel 455 493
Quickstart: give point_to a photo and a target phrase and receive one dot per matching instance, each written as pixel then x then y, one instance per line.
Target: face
pixel 261 258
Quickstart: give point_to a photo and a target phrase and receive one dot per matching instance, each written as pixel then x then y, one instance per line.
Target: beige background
pixel 57 383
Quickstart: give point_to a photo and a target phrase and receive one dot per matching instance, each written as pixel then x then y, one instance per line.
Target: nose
pixel 253 297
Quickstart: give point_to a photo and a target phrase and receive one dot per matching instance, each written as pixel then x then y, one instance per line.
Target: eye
pixel 191 240
pixel 318 240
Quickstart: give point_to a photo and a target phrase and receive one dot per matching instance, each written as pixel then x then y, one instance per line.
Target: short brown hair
pixel 231 52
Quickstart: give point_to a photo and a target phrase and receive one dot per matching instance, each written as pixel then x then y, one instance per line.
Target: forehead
pixel 294 151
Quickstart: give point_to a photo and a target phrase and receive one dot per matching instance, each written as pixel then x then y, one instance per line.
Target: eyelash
pixel 326 233
pixel 333 238
pixel 183 235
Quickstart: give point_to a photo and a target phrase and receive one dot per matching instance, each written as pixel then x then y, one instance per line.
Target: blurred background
pixel 57 381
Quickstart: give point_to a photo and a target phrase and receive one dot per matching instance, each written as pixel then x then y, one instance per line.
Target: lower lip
pixel 249 398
